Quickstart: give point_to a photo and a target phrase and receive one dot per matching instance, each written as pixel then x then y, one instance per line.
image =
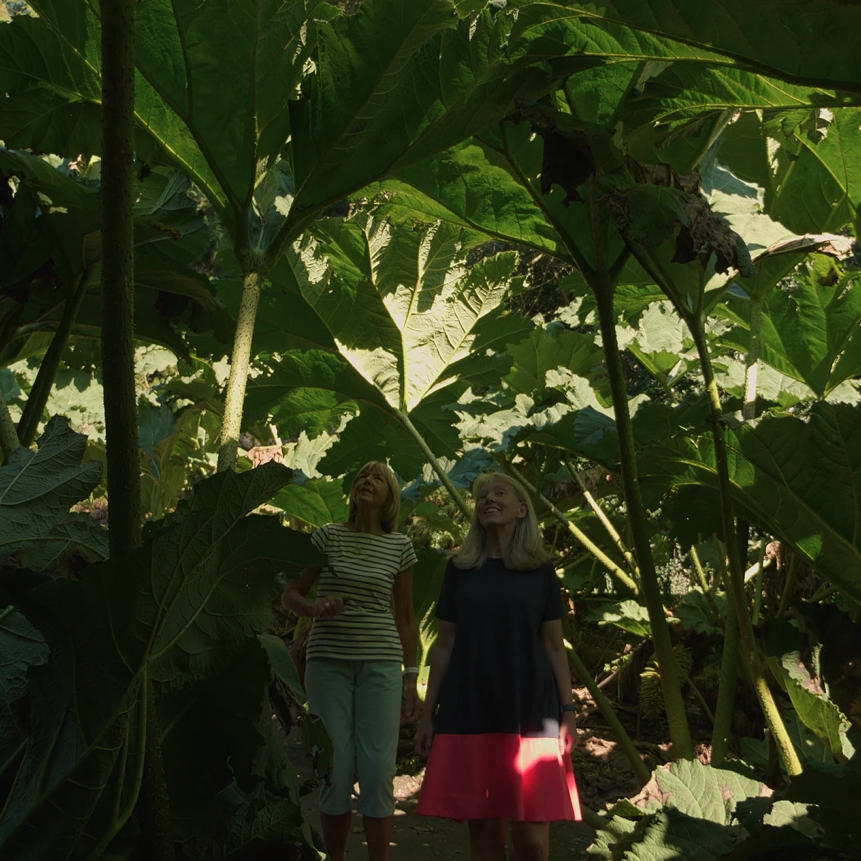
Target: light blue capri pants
pixel 360 705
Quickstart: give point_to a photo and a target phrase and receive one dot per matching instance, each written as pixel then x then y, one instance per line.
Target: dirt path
pixel 421 838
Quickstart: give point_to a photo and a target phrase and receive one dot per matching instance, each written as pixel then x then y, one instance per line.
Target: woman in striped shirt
pixel 355 652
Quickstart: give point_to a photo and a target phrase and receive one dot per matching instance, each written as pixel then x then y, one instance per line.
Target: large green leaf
pixel 773 37
pixel 693 811
pixel 798 480
pixel 506 186
pixel 22 647
pixel 228 71
pixel 832 794
pixel 200 585
pixel 685 92
pixel 810 329
pixel 52 236
pixel 401 305
pixel 413 324
pixel 394 85
pixel 548 349
pixel 315 502
pixel 224 718
pixel 807 160
pixel 51 66
pixel 36 491
pixel 427 581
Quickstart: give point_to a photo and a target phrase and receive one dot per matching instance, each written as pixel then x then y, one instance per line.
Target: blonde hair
pixel 526 551
pixel 389 514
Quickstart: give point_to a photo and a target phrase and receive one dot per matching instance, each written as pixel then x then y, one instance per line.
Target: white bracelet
pixel 410 671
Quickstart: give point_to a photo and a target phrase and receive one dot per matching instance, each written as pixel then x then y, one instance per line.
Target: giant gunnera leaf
pixel 414 326
pixel 700 813
pixel 37 489
pixel 171 613
pixel 799 479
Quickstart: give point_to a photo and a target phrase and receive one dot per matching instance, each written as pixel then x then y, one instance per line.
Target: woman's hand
pixel 327 607
pixel 411 705
pixel 568 738
pixel 424 735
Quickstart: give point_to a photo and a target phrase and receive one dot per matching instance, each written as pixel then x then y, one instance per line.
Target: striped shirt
pixel 361 569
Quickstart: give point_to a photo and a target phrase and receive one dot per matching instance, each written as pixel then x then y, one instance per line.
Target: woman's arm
pixel 405 622
pixel 293 597
pixel 554 645
pixel 440 654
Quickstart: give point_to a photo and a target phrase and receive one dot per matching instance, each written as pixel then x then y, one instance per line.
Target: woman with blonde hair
pixel 499 746
pixel 353 675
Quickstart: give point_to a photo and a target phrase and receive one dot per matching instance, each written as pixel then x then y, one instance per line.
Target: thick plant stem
pixel 118 357
pixel 671 682
pixel 701 579
pixel 456 496
pixel 726 691
pixel 751 362
pixel 9 441
pixel 735 572
pixel 788 586
pixel 620 574
pixel 41 391
pixel 238 379
pixel 153 803
pixel 605 521
pixel 641 770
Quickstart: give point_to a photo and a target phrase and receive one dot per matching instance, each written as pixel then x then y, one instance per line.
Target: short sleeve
pixel 446 604
pixel 408 555
pixel 320 538
pixel 553 604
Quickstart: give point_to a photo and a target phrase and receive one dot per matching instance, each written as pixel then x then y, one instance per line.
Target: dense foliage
pixel 608 248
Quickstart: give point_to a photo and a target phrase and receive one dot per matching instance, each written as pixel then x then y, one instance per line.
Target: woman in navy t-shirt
pixel 500 741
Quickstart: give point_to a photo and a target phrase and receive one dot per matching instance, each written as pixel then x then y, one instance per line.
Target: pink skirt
pixel 498 775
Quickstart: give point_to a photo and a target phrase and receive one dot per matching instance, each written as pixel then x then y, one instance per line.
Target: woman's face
pixel 371 490
pixel 498 505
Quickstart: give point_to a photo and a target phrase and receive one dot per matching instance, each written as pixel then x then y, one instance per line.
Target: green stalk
pixel 9 441
pixel 727 685
pixel 735 578
pixel 641 770
pixel 457 498
pixel 671 682
pixel 118 357
pixel 719 124
pixel 701 579
pixel 118 361
pixel 751 362
pixel 240 361
pixel 41 391
pixel 156 828
pixel 787 586
pixel 602 288
pixel 620 574
pixel 757 586
pixel 605 521
pixel 735 572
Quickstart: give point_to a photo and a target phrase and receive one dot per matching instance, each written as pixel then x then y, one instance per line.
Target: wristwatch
pixel 567 707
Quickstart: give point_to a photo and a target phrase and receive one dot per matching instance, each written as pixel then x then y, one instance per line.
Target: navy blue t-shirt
pixel 499 677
